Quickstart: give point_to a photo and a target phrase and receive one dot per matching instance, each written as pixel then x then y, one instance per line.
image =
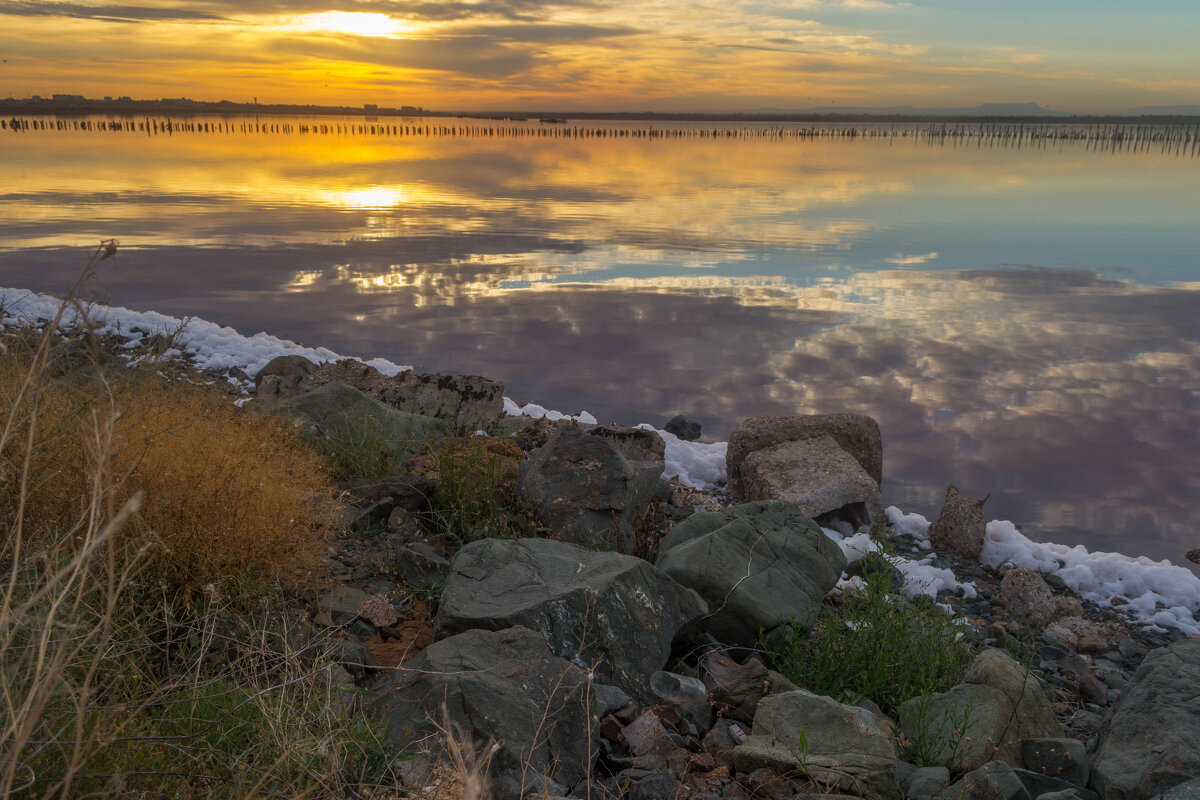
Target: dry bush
pixel 232 500
pixel 109 687
pixel 236 500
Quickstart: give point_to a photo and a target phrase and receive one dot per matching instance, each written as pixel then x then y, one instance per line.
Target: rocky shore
pixel 611 630
pixel 622 644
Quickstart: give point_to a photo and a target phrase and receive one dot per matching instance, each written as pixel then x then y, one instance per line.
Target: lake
pixel 1020 312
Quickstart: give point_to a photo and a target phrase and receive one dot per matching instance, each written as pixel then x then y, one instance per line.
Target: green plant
pixel 937 736
pixel 473 479
pixel 358 446
pixel 876 644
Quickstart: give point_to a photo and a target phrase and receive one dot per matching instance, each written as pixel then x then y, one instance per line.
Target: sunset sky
pixel 669 55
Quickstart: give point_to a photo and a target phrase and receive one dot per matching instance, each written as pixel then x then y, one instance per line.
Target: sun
pixel 356 23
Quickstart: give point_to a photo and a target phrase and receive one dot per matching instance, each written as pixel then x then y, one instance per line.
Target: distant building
pixel 370 107
pixel 67 98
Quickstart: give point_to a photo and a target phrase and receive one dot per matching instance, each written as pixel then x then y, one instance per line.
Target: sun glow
pixel 357 23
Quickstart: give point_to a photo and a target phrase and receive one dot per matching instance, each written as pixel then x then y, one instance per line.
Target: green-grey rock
pixel 1150 740
pixel 500 686
pixel 347 424
pixel 615 613
pixel 757 564
pixel 589 485
pixel 984 718
pixel 836 745
pixel 995 780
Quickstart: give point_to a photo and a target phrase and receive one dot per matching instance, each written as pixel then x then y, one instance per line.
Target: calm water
pixel 1022 321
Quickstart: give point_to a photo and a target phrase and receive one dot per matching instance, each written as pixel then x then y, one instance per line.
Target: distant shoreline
pixel 84 106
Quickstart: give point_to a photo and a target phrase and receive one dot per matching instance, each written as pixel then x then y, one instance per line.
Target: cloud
pixel 110 13
pixel 416 10
pixel 474 56
pixel 911 260
pixel 546 33
pixel 873 5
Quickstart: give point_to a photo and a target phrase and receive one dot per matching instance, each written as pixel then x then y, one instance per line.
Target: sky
pixel 573 55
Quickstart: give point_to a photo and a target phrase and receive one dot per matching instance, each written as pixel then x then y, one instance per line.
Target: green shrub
pixel 877 645
pixel 473 486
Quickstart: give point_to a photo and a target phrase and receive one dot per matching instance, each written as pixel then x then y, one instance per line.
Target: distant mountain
pixel 984 110
pixel 1165 111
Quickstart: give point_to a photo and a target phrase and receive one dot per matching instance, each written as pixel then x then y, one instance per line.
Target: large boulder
pixel 759 565
pixel 858 435
pixel 612 613
pixel 351 426
pixel 838 746
pixel 589 485
pixel 984 718
pixel 500 686
pixel 1150 740
pixel 815 474
pixel 466 403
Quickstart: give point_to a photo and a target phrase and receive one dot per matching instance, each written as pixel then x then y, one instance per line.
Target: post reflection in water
pixel 1021 322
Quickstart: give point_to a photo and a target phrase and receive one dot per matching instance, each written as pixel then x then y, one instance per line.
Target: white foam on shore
pixel 210 346
pixel 920 576
pixel 539 412
pixel 700 465
pixel 1158 593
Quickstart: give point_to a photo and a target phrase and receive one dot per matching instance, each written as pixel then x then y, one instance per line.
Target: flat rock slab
pixel 758 565
pixel 609 612
pixel 815 474
pixel 857 434
pixel 1151 738
pixel 500 686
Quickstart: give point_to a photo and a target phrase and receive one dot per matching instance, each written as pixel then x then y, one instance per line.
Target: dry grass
pixel 230 499
pixel 130 508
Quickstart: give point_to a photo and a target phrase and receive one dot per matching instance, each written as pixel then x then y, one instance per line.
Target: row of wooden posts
pixel 1168 138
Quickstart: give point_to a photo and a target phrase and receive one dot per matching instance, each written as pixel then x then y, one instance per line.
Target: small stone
pixel 1092 689
pixel 960 526
pixel 1093 644
pixel 646 735
pixel 1026 595
pixel 658 786
pixel 610 728
pixel 379 611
